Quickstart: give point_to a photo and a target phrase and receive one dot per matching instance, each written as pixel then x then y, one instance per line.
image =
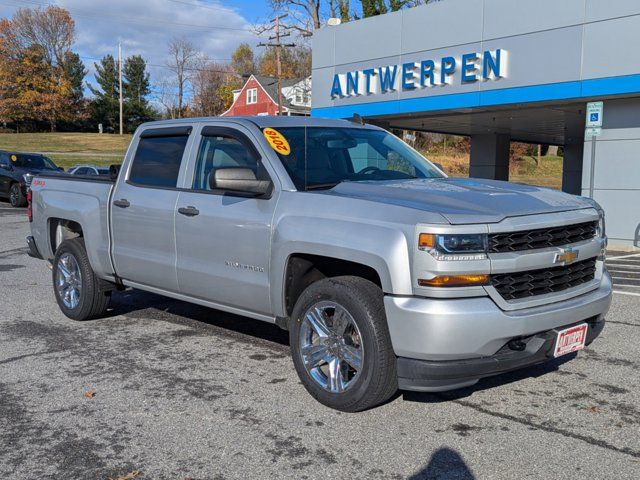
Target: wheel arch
pixel 304 269
pixel 61 229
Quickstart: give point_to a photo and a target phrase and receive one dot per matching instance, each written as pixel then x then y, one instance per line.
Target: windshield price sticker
pixel 14 158
pixel 277 141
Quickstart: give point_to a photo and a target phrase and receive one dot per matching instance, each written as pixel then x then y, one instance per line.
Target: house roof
pixel 270 85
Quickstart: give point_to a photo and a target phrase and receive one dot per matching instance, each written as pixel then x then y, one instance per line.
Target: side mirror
pixel 241 180
pixel 114 171
pixel 439 165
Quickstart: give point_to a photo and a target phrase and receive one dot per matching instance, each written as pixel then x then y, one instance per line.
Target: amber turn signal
pixel 426 240
pixel 454 281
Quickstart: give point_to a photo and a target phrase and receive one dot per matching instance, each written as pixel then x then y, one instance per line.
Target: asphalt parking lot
pixel 161 389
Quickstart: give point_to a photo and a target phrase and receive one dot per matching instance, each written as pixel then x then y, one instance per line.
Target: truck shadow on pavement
pixel 137 304
pixel 445 463
pixel 203 320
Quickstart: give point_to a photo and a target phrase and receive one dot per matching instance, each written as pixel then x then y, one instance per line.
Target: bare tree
pixel 166 96
pixel 305 16
pixel 213 85
pixel 183 57
pixel 52 28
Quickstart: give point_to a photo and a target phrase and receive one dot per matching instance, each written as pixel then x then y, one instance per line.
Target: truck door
pixel 223 239
pixel 143 207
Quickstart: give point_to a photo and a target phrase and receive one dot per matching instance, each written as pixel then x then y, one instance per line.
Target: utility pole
pixel 278 46
pixel 120 82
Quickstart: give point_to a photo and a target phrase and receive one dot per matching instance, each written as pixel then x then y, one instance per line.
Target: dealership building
pixel 554 72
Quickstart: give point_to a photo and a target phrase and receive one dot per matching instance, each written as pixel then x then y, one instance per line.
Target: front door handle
pixel 122 203
pixel 189 211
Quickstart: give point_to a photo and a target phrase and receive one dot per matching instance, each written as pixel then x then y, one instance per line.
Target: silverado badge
pixel 566 256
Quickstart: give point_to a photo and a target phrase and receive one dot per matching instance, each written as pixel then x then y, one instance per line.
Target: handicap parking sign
pixel 594 114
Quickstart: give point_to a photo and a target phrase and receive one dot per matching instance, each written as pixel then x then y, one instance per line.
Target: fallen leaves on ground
pixel 90 394
pixel 594 409
pixel 128 476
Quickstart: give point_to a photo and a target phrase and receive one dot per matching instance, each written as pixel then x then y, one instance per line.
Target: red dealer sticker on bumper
pixel 571 340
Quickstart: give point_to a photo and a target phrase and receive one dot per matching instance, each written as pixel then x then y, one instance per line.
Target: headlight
pixel 27 177
pixel 601 231
pixel 455 247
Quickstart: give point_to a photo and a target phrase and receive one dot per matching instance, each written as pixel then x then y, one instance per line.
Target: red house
pixel 259 96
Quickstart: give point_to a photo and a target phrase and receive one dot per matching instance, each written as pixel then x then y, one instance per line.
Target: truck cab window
pixel 221 151
pixel 157 161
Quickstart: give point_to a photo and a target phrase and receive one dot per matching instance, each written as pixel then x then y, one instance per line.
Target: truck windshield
pixel 36 162
pixel 322 157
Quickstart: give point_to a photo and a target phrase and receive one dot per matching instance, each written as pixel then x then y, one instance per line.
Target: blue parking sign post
pixel 593 129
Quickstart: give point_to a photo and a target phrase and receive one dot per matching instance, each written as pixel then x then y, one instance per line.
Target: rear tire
pixel 356 334
pixel 75 285
pixel 16 198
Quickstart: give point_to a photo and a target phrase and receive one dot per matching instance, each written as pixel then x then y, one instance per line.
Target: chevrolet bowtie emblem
pixel 566 256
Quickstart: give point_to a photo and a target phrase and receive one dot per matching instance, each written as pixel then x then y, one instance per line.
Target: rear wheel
pixel 16 198
pixel 76 286
pixel 341 346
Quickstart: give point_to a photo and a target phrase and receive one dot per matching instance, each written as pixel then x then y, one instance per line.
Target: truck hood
pixel 463 200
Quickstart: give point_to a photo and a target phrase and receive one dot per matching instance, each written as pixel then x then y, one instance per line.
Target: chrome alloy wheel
pixel 331 346
pixel 68 280
pixel 14 195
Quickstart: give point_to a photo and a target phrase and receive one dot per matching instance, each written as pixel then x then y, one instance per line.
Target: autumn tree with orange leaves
pixel 35 84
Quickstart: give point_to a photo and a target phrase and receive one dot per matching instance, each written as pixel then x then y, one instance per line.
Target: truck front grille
pixel 541 237
pixel 512 286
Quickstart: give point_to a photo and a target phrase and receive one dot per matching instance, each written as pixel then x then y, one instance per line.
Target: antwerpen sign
pixel 472 67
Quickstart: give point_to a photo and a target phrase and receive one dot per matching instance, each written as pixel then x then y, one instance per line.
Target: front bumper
pixel 440 330
pixel 433 376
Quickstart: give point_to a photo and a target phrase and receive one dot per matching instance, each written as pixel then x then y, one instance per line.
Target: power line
pixel 168 67
pixel 208 7
pixel 132 20
pixel 195 69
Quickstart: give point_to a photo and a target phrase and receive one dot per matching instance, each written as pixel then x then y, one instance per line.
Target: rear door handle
pixel 189 211
pixel 122 203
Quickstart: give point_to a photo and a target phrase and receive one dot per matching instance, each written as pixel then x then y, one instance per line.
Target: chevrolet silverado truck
pixel 386 273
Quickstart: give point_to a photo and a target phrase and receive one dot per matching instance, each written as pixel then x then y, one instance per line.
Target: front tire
pixel 75 285
pixel 341 346
pixel 16 198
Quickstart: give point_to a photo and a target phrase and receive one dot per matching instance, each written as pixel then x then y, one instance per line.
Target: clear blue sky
pixel 251 9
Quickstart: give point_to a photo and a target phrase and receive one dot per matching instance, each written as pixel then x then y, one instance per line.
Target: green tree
pixel 75 72
pixel 106 102
pixel 243 60
pixel 135 89
pixel 136 79
pixel 371 8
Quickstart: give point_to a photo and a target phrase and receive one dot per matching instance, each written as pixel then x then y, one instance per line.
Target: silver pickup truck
pixel 386 273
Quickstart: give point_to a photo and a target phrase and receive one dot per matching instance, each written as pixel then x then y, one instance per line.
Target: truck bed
pixel 78 198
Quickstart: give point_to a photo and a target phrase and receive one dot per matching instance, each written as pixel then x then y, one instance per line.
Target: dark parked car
pixel 16 172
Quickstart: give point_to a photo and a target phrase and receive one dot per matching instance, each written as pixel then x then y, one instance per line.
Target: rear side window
pixel 157 161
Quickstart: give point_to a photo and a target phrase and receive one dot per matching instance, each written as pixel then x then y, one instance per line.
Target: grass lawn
pixel 68 149
pixel 65 142
pixel 525 170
